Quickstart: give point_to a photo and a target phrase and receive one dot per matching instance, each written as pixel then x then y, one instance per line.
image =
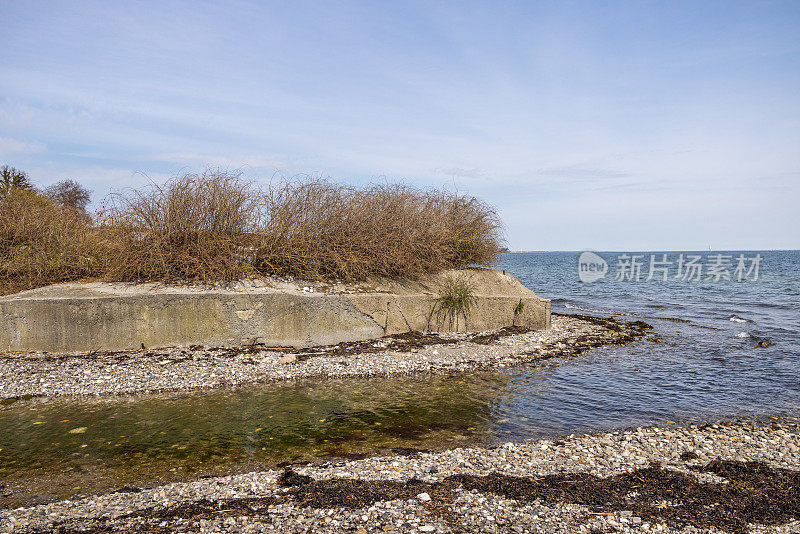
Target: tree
pixel 69 193
pixel 11 177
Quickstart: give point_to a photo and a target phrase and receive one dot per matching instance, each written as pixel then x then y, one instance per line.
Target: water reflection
pixel 61 448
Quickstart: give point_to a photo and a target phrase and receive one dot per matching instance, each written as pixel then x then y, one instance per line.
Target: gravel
pixel 190 368
pixel 255 502
pixel 431 499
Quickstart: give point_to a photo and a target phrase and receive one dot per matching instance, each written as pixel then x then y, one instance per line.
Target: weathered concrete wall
pixel 405 306
pixel 101 316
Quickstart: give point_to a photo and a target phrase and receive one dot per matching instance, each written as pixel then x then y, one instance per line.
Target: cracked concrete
pixel 83 317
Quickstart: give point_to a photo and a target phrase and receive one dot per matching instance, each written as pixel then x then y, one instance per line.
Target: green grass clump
pixel 456 297
pixel 518 309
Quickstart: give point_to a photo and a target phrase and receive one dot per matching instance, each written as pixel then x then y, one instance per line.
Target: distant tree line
pixel 66 193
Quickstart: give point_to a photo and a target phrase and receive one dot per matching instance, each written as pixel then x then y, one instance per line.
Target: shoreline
pixel 614 481
pixel 27 375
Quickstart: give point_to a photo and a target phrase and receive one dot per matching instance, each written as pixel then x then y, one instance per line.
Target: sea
pixel 709 363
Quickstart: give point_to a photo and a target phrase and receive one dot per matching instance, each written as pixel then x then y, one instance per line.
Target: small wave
pixel 737 319
pixel 706 327
pixel 743 335
pixel 589 310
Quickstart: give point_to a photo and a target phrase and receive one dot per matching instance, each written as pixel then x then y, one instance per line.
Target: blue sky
pixel 605 125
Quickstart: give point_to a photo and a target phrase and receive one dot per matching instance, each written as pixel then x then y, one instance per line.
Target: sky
pixel 589 125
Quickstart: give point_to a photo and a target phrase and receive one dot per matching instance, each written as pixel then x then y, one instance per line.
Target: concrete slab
pixel 116 316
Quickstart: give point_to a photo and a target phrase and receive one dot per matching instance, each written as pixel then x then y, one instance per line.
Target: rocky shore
pixel 728 477
pixel 189 368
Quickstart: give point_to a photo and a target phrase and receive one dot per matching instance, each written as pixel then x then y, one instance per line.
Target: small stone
pixel 424 497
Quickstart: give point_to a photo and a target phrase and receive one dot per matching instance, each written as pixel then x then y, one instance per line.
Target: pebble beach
pixel 190 368
pixel 729 477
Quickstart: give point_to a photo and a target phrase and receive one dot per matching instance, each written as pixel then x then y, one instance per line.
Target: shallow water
pixel 59 448
pixel 701 370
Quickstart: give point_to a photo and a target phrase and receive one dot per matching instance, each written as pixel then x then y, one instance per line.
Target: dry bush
pixel 316 229
pixel 219 227
pixel 194 228
pixel 42 243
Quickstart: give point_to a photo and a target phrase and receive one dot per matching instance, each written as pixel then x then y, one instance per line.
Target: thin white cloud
pixel 578 173
pixel 195 160
pixel 459 172
pixel 10 146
